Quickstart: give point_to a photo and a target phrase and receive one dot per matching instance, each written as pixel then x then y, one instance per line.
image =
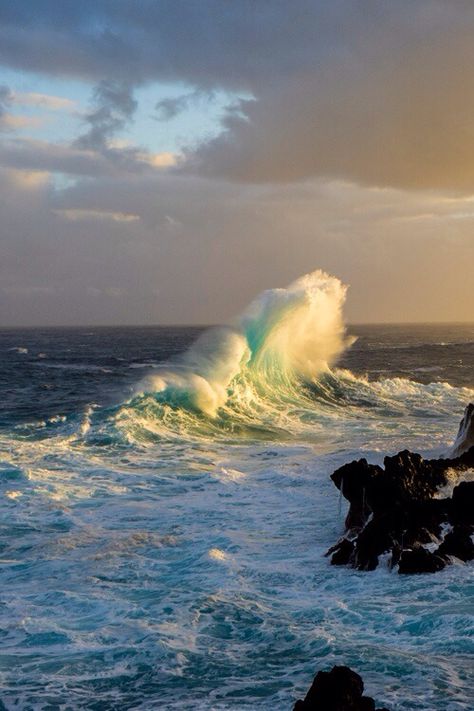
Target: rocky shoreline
pixel 400 511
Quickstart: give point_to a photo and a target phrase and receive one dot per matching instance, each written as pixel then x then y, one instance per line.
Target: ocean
pixel 166 506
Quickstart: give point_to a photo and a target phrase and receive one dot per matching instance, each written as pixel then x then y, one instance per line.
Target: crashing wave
pixel 297 332
pixel 272 373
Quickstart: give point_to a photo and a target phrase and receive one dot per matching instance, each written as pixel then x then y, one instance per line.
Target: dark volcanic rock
pixel 465 437
pixel 462 506
pixel 340 689
pixel 458 543
pixel 419 560
pixel 342 552
pixel 353 480
pixel 393 510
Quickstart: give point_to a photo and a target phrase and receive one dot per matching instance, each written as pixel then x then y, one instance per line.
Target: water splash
pixel 297 332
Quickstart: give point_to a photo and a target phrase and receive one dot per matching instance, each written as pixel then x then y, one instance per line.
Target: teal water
pixel 158 555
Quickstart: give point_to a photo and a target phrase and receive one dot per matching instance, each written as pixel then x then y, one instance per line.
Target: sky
pixel 164 161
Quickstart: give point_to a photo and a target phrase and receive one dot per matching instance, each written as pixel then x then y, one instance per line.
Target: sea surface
pixel 165 512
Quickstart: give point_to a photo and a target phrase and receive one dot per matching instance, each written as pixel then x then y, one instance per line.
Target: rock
pixel 394 510
pixel 379 536
pixel 458 542
pixel 462 506
pixel 353 480
pixel 465 436
pixel 419 560
pixel 342 552
pixel 340 689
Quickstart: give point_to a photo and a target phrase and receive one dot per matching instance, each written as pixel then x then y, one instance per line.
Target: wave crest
pixel 285 334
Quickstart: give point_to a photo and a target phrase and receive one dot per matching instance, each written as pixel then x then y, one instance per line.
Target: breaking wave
pixel 273 371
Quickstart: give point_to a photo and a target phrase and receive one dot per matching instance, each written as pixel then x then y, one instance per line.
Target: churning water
pixel 166 504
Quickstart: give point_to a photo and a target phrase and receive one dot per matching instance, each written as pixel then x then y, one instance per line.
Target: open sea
pixel 166 506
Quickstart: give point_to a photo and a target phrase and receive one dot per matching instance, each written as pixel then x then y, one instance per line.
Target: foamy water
pixel 165 512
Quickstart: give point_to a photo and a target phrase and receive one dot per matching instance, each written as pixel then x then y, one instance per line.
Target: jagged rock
pixel 393 510
pixel 340 689
pixel 465 436
pixel 462 503
pixel 419 560
pixel 353 480
pixel 342 552
pixel 458 542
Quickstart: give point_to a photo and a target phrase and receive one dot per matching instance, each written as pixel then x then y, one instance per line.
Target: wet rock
pixel 458 543
pixel 465 437
pixel 379 536
pixel 394 510
pixel 340 689
pixel 420 560
pixel 462 506
pixel 353 480
pixel 342 552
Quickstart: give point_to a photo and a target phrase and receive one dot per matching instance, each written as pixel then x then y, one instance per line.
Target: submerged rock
pixel 340 689
pixel 394 510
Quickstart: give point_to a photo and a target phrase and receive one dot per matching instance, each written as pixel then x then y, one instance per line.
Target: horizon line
pixel 349 324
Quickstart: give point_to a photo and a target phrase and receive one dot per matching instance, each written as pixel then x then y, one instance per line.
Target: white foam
pixel 284 332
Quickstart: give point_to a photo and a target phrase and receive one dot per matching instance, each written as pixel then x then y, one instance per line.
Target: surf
pixel 273 373
pixel 284 335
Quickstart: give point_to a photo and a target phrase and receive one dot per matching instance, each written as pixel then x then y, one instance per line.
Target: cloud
pixel 12 122
pixel 158 160
pixel 5 96
pixel 44 101
pixel 34 155
pixel 377 93
pixel 114 106
pixel 5 99
pixel 30 154
pixel 75 214
pixel 390 107
pixel 28 291
pixel 225 242
pixel 345 95
pixel 29 179
pixel 170 107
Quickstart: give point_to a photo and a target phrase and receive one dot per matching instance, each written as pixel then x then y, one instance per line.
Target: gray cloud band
pixel 343 89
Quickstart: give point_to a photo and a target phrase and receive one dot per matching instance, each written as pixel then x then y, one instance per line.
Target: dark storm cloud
pixel 374 91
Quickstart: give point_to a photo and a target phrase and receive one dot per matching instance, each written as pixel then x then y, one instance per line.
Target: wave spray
pixel 285 334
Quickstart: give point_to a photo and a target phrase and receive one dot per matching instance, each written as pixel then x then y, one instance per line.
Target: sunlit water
pixel 155 555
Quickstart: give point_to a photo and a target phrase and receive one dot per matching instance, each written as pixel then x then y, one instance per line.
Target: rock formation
pixel 340 689
pixel 398 509
pixel 465 436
